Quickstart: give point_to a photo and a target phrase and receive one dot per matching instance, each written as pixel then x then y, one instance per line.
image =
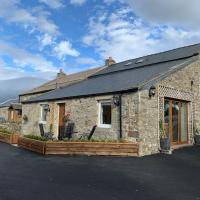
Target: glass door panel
pixel 184 122
pixel 175 121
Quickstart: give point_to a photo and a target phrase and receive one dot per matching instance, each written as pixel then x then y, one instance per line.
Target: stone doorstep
pixel 15 145
pixel 174 147
pixel 169 152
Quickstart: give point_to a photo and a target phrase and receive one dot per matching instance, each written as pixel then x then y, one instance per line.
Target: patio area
pixel 26 175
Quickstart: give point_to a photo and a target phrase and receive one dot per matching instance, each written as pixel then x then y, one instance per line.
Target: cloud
pixel 45 40
pixel 87 61
pixel 123 36
pixel 64 48
pixel 10 72
pixel 23 58
pixel 77 2
pixel 32 19
pixel 54 4
pixel 173 12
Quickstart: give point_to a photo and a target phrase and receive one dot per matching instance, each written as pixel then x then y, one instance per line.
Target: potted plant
pixel 25 118
pixel 164 138
pixel 66 117
pixel 197 136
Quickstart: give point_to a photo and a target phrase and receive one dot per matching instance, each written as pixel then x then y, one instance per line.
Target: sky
pixel 39 37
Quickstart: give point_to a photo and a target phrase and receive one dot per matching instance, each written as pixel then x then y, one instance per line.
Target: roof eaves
pixel 133 89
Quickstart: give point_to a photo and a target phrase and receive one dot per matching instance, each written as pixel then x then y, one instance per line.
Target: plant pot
pixel 197 139
pixel 165 143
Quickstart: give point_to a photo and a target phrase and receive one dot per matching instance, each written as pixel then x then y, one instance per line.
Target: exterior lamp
pixel 152 91
pixel 116 100
pixel 47 108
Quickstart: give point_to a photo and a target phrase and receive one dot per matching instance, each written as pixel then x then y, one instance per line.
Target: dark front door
pixel 176 120
pixel 61 121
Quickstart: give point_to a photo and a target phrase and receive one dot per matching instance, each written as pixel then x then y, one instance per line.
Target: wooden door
pixel 61 121
pixel 176 120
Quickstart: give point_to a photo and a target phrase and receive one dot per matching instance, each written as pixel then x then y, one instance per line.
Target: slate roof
pixel 62 81
pixel 128 75
pixel 9 102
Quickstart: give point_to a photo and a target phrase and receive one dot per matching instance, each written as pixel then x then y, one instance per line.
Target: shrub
pixel 5 131
pixel 35 137
pixel 94 140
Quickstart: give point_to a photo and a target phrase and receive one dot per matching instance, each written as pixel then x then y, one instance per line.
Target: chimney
pixel 109 61
pixel 61 74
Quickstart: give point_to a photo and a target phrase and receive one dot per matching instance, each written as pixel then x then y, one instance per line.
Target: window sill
pixel 42 122
pixel 104 126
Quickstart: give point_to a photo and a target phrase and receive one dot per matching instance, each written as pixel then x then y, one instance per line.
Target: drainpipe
pixel 120 116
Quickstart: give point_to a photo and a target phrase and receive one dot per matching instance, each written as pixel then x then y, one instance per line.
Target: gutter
pixel 134 89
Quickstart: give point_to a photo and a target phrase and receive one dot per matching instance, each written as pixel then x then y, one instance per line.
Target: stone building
pixel 11 110
pixel 61 80
pixel 128 100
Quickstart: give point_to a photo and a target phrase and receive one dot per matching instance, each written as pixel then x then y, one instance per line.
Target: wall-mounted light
pixel 116 100
pixel 47 107
pixel 152 91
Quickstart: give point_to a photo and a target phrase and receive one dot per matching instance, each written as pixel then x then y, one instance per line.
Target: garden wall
pixel 11 126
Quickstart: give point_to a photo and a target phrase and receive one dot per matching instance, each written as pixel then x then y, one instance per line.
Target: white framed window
pixel 105 114
pixel 44 111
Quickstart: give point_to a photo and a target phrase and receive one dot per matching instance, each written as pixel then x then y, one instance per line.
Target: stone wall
pixel 148 123
pixel 184 85
pixel 31 126
pixel 11 126
pixel 84 114
pixel 4 112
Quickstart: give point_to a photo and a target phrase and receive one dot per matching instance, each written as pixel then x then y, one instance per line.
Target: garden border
pixel 79 148
pixel 9 138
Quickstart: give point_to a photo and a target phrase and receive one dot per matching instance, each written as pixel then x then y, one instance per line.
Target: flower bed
pixel 79 148
pixel 9 138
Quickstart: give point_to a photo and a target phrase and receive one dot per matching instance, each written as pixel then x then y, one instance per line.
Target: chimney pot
pixel 110 61
pixel 61 74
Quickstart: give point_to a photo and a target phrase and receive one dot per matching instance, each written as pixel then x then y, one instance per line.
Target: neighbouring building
pixel 11 110
pixel 61 80
pixel 128 100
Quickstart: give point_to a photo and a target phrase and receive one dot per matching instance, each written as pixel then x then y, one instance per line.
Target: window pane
pixel 106 114
pixel 175 121
pixel 44 113
pixel 183 122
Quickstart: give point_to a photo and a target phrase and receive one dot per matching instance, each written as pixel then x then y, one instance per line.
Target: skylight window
pixel 129 63
pixel 139 61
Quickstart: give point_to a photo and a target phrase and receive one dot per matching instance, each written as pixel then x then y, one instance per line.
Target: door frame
pixel 179 142
pixel 59 118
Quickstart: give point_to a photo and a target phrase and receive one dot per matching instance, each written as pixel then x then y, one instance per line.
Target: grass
pixel 35 137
